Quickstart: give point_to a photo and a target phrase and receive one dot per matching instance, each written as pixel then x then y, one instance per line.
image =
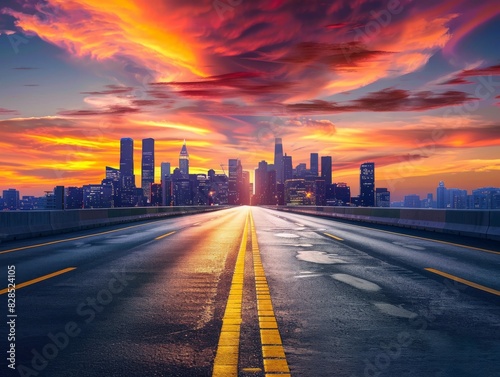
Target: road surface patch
pixel 394 310
pixel 319 257
pixel 287 235
pixel 356 282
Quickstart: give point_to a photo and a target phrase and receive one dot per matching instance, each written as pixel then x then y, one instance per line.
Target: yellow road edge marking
pixel 69 239
pixel 226 357
pixel 165 235
pixel 39 279
pixel 334 237
pixel 273 353
pixel 463 281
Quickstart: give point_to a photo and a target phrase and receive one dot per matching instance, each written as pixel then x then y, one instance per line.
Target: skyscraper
pixel 441 195
pixel 148 167
pixel 128 197
pixel 278 160
pixel 127 162
pixel 261 183
pixel 367 184
pixel 314 164
pixel 235 181
pixel 287 167
pixel 166 184
pixel 326 169
pixel 184 159
pixel 113 177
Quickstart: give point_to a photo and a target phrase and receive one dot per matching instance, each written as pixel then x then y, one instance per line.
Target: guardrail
pixel 472 223
pixel 27 224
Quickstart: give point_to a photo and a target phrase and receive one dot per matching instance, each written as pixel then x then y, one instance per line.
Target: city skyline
pixel 368 194
pixel 412 86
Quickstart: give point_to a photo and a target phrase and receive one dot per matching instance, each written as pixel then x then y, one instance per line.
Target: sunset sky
pixel 413 86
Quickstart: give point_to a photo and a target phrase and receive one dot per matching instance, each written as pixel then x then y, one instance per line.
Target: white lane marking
pixel 299 224
pixel 303 245
pixel 394 310
pixel 356 282
pixel 318 257
pixel 287 235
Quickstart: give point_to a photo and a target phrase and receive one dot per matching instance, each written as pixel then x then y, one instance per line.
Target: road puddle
pixel 356 282
pixel 318 257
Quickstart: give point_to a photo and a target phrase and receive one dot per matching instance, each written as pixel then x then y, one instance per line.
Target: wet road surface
pixel 251 292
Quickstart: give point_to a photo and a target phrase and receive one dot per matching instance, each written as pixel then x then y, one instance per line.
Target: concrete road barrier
pixel 16 225
pixel 472 223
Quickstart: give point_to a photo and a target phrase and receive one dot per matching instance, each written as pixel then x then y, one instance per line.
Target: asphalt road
pixel 224 293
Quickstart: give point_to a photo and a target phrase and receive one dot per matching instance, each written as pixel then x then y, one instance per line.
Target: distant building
pixel 287 169
pixel 271 197
pixel 184 160
pixel 127 162
pixel 441 195
pixel 59 197
pixel 156 194
pixel 314 168
pixel 295 192
pixel 219 189
pixel 166 184
pixel 181 189
pixel 74 198
pixel 278 160
pixel 320 192
pixel 280 194
pixel 148 167
pixel 113 179
pixel 382 197
pixel 300 171
pixel 245 188
pixel 485 198
pixel 367 184
pixel 97 196
pixel 11 199
pixel 128 194
pixel 326 169
pixel 428 202
pixel 338 194
pixel 235 181
pixel 261 179
pixel 412 201
pixel 456 198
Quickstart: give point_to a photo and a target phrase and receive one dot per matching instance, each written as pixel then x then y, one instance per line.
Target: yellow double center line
pixel 226 359
pixel 275 363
